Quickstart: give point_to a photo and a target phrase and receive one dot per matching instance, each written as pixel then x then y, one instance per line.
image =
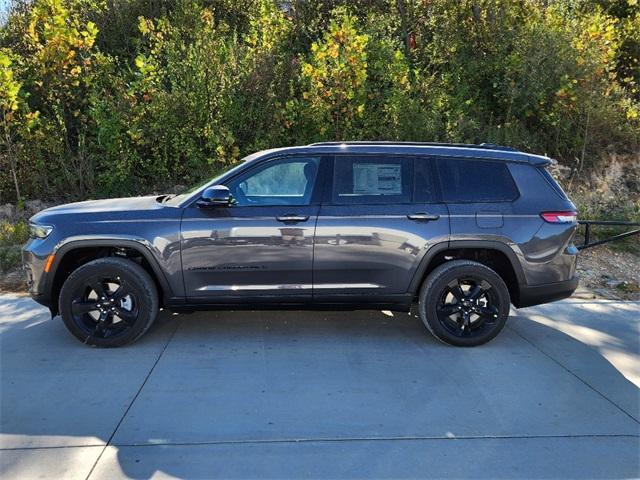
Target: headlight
pixel 39 231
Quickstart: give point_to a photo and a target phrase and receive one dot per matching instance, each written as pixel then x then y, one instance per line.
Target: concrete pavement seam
pixel 335 439
pixel 374 439
pixel 564 367
pixel 596 301
pixel 135 397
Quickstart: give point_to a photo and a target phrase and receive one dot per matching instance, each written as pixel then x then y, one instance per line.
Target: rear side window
pixel 552 182
pixel 371 179
pixel 476 181
pixel 425 181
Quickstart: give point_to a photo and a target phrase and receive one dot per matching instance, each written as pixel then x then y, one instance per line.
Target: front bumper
pixel 34 262
pixel 44 300
pixel 550 292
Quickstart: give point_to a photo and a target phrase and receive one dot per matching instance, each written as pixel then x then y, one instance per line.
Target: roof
pixel 484 150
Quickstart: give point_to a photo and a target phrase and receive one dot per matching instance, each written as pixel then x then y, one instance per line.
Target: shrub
pixel 119 98
pixel 12 237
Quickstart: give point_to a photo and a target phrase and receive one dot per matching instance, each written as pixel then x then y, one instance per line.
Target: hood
pixel 101 206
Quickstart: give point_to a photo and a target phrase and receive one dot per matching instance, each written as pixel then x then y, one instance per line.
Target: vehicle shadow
pixel 322 394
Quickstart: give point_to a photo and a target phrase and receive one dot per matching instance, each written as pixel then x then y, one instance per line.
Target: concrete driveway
pixel 332 395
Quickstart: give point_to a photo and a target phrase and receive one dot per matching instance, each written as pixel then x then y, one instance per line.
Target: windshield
pixel 174 200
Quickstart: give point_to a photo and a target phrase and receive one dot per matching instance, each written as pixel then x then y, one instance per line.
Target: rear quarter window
pixel 475 181
pixel 552 182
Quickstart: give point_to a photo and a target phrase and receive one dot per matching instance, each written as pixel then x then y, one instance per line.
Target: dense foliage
pixel 115 97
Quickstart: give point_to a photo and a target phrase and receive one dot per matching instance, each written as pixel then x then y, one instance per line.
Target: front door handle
pixel 425 217
pixel 291 218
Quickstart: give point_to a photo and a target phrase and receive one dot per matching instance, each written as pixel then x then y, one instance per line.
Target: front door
pixel 381 217
pixel 260 248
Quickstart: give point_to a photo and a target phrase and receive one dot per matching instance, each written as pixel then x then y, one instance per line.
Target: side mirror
pixel 218 195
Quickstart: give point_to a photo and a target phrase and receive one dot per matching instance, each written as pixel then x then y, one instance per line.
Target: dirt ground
pixel 13 281
pixel 610 274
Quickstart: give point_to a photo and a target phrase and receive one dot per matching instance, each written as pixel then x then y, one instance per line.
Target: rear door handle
pixel 425 217
pixel 291 218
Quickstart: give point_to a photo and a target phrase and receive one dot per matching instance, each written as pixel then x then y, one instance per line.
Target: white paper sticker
pixel 377 179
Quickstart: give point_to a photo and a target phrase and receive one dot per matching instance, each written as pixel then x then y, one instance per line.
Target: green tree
pixel 58 62
pixel 113 98
pixel 335 79
pixel 9 105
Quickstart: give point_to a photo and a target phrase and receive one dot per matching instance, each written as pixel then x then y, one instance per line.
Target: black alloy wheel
pixel 468 307
pixel 105 307
pixel 464 303
pixel 109 302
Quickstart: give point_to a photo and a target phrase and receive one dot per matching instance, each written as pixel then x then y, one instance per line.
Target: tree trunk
pixel 15 179
pixel 584 142
pixel 404 27
pixel 13 164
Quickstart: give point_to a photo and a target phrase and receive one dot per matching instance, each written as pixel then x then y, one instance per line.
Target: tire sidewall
pixel 138 281
pixel 439 279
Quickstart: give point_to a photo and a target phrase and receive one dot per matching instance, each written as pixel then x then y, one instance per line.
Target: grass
pixel 14 233
pixel 12 237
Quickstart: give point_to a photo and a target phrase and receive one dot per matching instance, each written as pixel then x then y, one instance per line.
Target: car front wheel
pixel 464 303
pixel 108 302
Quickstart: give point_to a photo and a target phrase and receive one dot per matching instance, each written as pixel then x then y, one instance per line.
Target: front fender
pixel 170 282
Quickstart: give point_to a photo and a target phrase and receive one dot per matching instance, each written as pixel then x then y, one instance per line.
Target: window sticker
pixel 377 179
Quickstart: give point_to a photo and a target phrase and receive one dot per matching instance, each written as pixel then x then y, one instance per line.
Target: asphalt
pixel 323 395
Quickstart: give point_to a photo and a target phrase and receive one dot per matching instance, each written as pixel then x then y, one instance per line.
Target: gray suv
pixel 464 231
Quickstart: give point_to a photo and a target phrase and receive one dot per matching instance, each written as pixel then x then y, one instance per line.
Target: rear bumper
pixel 550 292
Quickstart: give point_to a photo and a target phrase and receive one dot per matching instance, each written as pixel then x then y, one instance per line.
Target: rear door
pixel 379 216
pixel 480 195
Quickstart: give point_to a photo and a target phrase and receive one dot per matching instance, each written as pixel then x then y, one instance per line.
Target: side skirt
pixel 396 306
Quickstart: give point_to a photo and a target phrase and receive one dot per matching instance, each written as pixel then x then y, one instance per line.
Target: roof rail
pixel 487 146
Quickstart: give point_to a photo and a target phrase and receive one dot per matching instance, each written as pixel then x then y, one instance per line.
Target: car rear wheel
pixel 464 303
pixel 108 302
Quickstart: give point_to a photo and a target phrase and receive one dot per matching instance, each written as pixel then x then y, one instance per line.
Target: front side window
pixel 476 181
pixel 279 182
pixel 371 179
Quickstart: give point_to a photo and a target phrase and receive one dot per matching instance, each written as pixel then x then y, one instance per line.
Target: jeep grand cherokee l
pixel 464 231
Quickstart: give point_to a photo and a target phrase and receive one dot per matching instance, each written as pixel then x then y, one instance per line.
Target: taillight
pixel 560 217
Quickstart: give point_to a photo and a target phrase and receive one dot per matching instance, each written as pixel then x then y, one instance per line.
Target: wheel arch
pixel 89 249
pixel 496 255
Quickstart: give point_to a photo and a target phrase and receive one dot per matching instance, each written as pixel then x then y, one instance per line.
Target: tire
pixel 109 302
pixel 464 303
